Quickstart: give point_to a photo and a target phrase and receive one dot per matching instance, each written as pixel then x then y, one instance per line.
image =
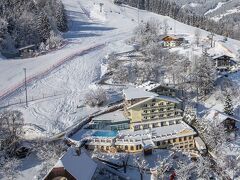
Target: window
pixel 174 140
pixel 153 104
pixel 107 148
pixel 132 148
pixel 126 147
pixel 169 141
pixel 190 137
pixel 171 122
pixel 180 139
pixel 185 138
pixel 145 126
pixel 137 127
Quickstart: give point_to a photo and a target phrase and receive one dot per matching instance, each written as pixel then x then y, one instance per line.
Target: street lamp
pixel 25 82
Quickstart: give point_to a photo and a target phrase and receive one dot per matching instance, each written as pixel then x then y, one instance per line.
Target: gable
pixel 169 38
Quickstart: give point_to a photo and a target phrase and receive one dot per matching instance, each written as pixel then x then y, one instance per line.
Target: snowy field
pixel 88 28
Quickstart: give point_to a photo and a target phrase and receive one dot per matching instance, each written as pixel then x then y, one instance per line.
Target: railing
pixel 8 92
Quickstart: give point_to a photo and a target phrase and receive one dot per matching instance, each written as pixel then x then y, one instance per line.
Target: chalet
pixel 73 165
pixel 27 51
pixel 172 41
pixel 223 63
pixel 228 121
pixel 161 89
pixel 78 165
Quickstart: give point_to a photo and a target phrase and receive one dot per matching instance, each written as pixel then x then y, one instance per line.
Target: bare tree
pixel 141 164
pixel 9 168
pixel 165 26
pixel 96 97
pixel 11 123
pixel 184 169
pixel 197 35
pixel 48 153
pixel 203 167
pixel 214 134
pixel 163 165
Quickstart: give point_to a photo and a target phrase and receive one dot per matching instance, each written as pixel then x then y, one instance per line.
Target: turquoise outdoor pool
pixel 105 133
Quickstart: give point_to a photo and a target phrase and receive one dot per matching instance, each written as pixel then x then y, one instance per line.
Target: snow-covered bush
pixel 54 41
pixel 96 97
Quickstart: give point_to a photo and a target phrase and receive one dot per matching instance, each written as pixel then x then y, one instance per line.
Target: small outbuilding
pixel 228 121
pixel 223 63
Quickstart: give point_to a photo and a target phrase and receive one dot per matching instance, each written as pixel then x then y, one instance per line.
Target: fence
pixel 10 91
pixel 30 99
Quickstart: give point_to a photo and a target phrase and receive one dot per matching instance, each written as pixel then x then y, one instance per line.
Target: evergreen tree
pixel 228 107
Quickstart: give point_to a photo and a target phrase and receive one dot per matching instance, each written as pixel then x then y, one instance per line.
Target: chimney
pixel 78 150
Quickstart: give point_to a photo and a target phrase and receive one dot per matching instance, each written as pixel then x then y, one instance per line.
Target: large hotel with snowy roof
pixel 152 117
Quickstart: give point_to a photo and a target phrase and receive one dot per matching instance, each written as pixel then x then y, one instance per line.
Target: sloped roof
pixel 159 133
pixel 149 86
pixel 222 55
pixel 80 167
pixel 115 116
pixel 159 97
pixel 137 93
pixel 217 116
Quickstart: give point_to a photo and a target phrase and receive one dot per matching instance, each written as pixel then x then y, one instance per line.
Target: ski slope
pixel 92 35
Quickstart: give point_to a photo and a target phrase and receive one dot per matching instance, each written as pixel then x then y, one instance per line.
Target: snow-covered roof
pixel 115 116
pixel 176 37
pixel 149 86
pixel 160 133
pixel 217 116
pixel 80 167
pixel 222 55
pixel 159 97
pixel 136 93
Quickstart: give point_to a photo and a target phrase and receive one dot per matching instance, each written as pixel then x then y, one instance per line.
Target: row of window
pixel 159 104
pixel 170 141
pixel 126 147
pixel 160 116
pixel 158 110
pixel 154 125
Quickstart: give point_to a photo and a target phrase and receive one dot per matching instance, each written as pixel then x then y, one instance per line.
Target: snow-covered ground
pixel 88 28
pixel 219 5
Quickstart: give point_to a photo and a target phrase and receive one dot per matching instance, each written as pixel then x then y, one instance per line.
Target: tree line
pixel 30 22
pixel 171 9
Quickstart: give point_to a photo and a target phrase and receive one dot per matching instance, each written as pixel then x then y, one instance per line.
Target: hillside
pixel 59 80
pixel 34 22
pixel 223 11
